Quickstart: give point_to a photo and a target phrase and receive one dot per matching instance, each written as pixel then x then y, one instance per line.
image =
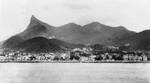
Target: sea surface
pixel 74 72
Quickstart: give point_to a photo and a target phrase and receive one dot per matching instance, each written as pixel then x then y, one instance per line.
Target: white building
pixel 2 58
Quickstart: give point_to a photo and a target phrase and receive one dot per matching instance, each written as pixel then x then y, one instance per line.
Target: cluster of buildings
pixel 113 55
pixel 24 56
pixel 77 54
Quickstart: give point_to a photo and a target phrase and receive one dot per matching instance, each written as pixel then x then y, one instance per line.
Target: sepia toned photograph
pixel 74 41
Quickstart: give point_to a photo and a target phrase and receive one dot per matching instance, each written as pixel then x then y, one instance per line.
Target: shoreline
pixel 74 61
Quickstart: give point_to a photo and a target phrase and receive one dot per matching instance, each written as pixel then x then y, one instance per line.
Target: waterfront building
pixel 2 58
pixel 82 59
pixel 140 58
pixel 144 57
pixel 92 58
pixel 125 57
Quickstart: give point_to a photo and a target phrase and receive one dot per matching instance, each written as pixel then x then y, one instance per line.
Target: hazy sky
pixel 15 14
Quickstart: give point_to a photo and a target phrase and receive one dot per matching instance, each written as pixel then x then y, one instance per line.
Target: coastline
pixel 74 61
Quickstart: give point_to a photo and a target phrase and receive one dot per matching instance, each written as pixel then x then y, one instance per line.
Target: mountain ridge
pixel 92 33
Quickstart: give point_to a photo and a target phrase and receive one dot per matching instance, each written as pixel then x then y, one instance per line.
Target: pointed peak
pixel 34 19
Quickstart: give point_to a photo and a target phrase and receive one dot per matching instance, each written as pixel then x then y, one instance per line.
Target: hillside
pixel 41 44
pixel 139 41
pixel 71 33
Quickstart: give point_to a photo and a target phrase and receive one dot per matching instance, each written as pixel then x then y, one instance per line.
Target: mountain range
pixel 73 35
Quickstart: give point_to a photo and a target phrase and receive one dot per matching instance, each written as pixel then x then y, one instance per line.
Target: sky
pixel 15 14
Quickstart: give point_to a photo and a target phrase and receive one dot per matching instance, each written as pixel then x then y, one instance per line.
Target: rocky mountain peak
pixel 34 20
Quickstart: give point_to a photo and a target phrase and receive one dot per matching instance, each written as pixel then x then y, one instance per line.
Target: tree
pixel 56 58
pixel 98 57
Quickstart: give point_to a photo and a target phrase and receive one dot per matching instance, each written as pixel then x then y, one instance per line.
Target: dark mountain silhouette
pixel 41 44
pixel 69 32
pixel 65 44
pixel 1 43
pixel 37 28
pixel 139 41
pixel 92 33
pixel 38 44
pixel 12 42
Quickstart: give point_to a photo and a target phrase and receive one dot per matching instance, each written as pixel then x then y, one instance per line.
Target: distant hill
pixel 92 33
pixel 12 41
pixel 41 44
pixel 38 44
pixel 139 40
pixel 1 43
